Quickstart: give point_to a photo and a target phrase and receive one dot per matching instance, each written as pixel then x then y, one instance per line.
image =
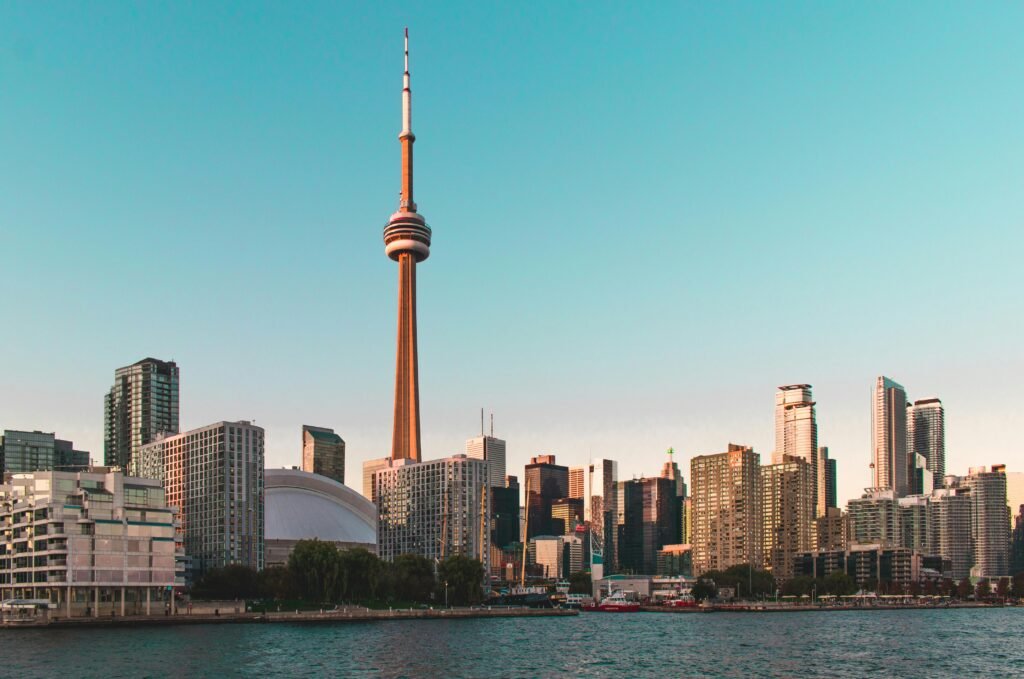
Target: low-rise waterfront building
pixel 869 565
pixel 92 542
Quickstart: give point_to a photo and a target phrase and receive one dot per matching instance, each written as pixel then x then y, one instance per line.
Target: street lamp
pixel 446 594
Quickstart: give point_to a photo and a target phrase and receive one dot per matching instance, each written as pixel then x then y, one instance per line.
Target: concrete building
pixel 29 451
pixel 371 467
pixel 545 482
pixel 873 518
pixel 868 565
pixel 926 436
pixel 891 463
pixel 492 450
pixel 214 477
pixel 833 530
pixel 796 434
pixel 142 404
pixel 787 492
pixel 323 452
pixel 92 542
pixel 435 509
pixel 921 478
pixel 915 527
pixel 990 521
pixel 726 509
pixel 556 556
pixel 299 505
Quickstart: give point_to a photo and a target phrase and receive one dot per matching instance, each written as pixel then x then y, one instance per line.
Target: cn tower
pixel 407 241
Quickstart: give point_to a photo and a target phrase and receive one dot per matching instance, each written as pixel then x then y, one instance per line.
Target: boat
pixel 683 601
pixel 616 603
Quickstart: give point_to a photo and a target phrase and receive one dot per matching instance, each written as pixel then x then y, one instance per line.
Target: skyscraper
pixel 492 450
pixel 950 518
pixel 142 404
pixel 926 436
pixel 599 506
pixel 545 482
pixel 891 464
pixel 323 453
pixel 726 520
pixel 214 477
pixel 505 513
pixel 789 516
pixel 577 482
pixel 407 241
pixel 796 434
pixel 831 476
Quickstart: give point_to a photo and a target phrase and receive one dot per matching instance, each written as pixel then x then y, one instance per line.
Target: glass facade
pixel 142 404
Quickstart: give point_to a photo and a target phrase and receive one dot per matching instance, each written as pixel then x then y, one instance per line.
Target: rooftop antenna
pixel 492 425
pixel 481 422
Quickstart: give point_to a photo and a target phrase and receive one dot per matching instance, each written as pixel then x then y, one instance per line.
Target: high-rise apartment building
pixel 873 518
pixel 833 530
pixel 371 467
pixel 92 543
pixel 323 453
pixel 990 521
pixel 214 477
pixel 950 518
pixel 434 509
pixel 142 404
pixel 492 450
pixel 545 482
pixel 831 478
pixel 29 451
pixel 891 463
pixel 926 436
pixel 726 509
pixel 915 527
pixel 796 434
pixel 787 491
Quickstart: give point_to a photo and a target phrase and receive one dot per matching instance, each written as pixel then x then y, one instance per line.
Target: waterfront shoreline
pixel 351 614
pixel 758 608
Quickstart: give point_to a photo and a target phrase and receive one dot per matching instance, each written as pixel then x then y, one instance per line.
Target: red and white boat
pixel 683 601
pixel 616 603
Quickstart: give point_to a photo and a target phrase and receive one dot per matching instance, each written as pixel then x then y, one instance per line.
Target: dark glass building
pixel 505 514
pixel 545 482
pixel 142 404
pixel 647 519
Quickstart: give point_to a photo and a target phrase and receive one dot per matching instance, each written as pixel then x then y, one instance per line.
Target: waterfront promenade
pixel 339 615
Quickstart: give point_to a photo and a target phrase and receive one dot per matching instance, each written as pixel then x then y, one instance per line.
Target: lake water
pixel 927 643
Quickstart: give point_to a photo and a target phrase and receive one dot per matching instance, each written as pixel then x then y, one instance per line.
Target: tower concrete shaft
pixel 407 241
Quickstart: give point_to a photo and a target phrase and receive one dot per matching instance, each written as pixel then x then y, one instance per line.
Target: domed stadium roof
pixel 300 505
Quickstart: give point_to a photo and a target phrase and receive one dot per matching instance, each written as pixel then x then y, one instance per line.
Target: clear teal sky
pixel 645 219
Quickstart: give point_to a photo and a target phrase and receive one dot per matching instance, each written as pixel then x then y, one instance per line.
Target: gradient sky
pixel 645 219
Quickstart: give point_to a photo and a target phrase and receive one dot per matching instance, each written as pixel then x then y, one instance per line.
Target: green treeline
pixel 320 573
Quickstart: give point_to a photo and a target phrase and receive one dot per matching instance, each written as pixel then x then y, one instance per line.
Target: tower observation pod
pixel 407 241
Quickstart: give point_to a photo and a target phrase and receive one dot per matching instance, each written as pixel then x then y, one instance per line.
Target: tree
pixel 230 582
pixel 915 588
pixel 580 583
pixel 703 590
pixel 839 584
pixel 411 578
pixel 463 579
pixel 1003 588
pixel 964 589
pixel 360 572
pixel 799 586
pixel 1017 588
pixel 948 587
pixel 983 590
pixel 748 582
pixel 316 570
pixel 276 582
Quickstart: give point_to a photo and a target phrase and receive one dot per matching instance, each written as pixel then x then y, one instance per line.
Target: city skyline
pixel 503 336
